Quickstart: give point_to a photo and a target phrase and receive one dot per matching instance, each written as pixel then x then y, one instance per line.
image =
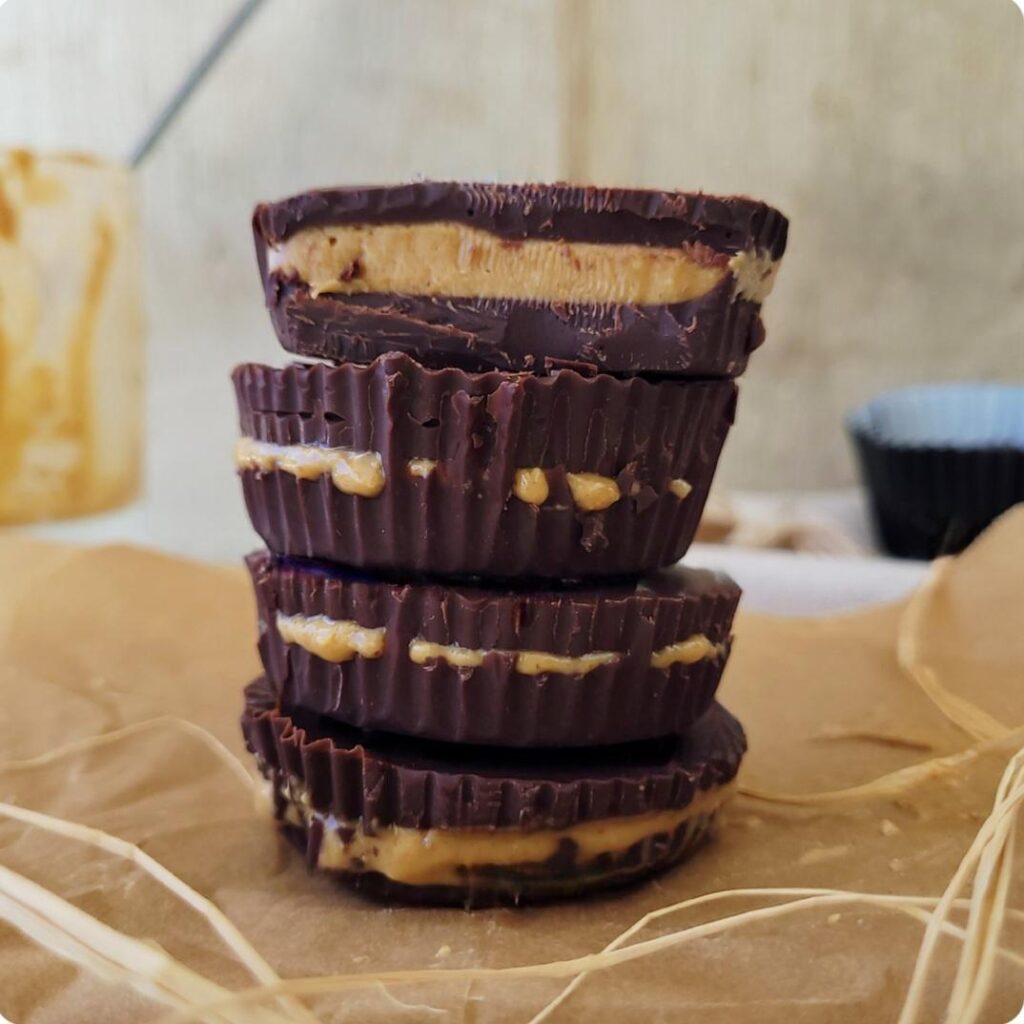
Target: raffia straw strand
pixel 910 905
pixel 961 712
pixel 215 917
pixel 144 966
pixel 988 906
pixel 974 976
pixel 106 738
pixel 555 969
pixel 988 925
pixel 45 933
pixel 1006 809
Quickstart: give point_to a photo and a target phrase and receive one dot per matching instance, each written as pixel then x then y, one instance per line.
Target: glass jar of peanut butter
pixel 71 336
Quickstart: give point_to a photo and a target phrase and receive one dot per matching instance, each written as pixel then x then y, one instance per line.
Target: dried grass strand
pixel 75 935
pixel 106 738
pixel 993 834
pixel 910 905
pixel 986 924
pixel 206 908
pixel 590 962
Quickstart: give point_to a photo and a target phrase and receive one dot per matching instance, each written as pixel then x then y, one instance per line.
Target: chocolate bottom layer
pixel 711 336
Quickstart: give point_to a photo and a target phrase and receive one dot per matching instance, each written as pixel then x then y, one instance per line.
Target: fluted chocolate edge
pixel 493 703
pixel 383 782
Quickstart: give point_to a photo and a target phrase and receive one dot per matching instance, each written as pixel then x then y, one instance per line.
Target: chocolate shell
pixel 577 213
pixel 706 336
pixel 657 443
pixel 711 336
pixel 381 780
pixel 393 817
pixel 622 700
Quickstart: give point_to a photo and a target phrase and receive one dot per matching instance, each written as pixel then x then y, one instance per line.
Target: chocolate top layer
pixel 728 224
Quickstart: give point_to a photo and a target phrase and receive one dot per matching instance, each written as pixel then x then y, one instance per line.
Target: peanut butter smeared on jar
pixel 71 337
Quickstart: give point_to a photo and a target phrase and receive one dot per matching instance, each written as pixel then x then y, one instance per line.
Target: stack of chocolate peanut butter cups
pixel 485 679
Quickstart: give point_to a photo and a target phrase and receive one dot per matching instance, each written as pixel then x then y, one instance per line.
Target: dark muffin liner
pixel 708 336
pixel 462 519
pixel 379 780
pixel 493 703
pixel 564 876
pixel 940 463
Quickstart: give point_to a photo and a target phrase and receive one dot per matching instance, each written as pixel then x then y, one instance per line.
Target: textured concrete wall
pixel 891 133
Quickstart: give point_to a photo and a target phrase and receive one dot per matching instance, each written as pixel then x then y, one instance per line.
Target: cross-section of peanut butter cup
pixel 514 277
pixel 423 822
pixel 531 668
pixel 395 467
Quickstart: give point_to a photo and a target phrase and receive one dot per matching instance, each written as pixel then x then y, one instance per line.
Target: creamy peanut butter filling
pixel 359 473
pixel 340 640
pixel 593 492
pixel 362 473
pixel 531 485
pixel 421 467
pixel 528 663
pixel 755 274
pixel 687 652
pixel 448 259
pixel 438 856
pixel 334 640
pixel 680 488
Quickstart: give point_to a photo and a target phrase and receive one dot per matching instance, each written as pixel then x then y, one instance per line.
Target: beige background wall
pixel 891 133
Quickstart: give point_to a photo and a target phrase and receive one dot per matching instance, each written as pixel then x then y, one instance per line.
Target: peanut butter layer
pixel 450 259
pixel 531 485
pixel 528 663
pixel 440 856
pixel 339 640
pixel 422 468
pixel 360 473
pixel 331 639
pixel 593 492
pixel 686 652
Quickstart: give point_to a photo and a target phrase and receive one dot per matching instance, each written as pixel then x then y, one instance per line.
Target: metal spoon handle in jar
pixel 192 81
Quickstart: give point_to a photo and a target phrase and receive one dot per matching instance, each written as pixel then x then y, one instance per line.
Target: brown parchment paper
pixel 94 641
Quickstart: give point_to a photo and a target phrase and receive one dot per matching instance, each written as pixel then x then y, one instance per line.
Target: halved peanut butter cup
pixel 517 277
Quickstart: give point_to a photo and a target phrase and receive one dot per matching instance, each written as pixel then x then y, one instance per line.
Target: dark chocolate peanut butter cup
pixel 441 823
pixel 536 668
pixel 396 467
pixel 520 277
